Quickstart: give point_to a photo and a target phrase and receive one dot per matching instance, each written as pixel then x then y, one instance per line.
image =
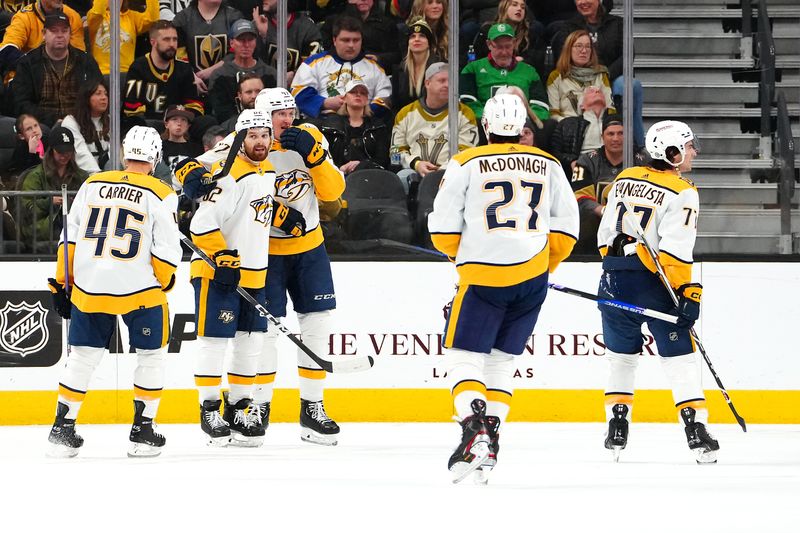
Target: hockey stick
pixel 637 226
pixel 356 364
pixel 652 313
pixel 64 213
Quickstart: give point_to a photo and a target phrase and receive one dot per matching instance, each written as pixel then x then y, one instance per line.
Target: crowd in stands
pixel 371 74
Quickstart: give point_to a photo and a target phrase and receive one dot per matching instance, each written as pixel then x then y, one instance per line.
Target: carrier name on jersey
pixel 523 163
pixel 122 192
pixel 646 191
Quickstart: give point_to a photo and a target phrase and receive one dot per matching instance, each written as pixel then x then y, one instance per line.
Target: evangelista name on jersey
pixel 122 192
pixel 627 188
pixel 521 163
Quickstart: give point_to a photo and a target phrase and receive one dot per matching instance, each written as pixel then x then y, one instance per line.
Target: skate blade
pixel 615 452
pixel 241 441
pixel 462 469
pixel 218 442
pixel 706 457
pixel 140 449
pixel 308 435
pixel 59 451
pixel 481 476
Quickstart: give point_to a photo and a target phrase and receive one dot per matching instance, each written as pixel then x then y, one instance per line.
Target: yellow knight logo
pixel 210 49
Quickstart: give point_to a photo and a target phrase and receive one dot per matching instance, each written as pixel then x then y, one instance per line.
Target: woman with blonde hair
pixel 529 44
pixel 435 14
pixel 576 69
pixel 408 78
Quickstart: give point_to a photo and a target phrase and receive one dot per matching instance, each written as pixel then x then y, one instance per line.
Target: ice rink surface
pixel 393 477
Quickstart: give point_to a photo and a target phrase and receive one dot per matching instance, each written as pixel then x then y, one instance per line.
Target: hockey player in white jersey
pixel 666 206
pixel 123 251
pixel 507 217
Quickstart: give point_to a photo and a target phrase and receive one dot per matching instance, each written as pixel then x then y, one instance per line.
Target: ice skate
pixel 493 430
pixel 617 436
pixel 212 424
pixel 64 442
pixel 315 424
pixel 244 424
pixel 698 438
pixel 260 411
pixel 474 447
pixel 145 440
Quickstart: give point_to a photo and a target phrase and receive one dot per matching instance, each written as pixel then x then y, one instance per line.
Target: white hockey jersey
pixel 506 213
pixel 124 244
pixel 666 205
pixel 237 214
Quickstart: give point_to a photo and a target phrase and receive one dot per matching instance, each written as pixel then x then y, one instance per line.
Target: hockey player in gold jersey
pixel 507 217
pixel 665 205
pixel 123 250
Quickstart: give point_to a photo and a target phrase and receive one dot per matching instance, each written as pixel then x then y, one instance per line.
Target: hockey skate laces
pixel 214 419
pixel 240 417
pixel 318 412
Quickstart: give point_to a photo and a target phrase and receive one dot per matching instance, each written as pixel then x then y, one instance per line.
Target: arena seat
pixel 376 207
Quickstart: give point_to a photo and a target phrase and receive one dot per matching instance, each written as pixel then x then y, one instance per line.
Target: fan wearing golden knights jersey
pixel 123 250
pixel 232 225
pixel 507 217
pixel 666 205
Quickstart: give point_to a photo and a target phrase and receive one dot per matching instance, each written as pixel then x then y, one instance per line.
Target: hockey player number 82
pixel 97 229
pixel 507 188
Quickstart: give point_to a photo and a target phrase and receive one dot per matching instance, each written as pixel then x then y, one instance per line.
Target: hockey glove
pixel 196 180
pixel 289 220
pixel 226 274
pixel 689 295
pixel 304 143
pixel 61 301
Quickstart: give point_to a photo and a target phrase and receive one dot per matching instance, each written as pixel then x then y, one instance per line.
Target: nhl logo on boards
pixel 22 328
pixel 226 316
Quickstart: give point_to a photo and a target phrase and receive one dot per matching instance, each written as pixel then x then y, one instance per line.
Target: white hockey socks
pixel 76 375
pixel 465 373
pixel 148 379
pixel 498 371
pixel 242 372
pixel 267 367
pixel 315 329
pixel 621 378
pixel 685 376
pixel 209 361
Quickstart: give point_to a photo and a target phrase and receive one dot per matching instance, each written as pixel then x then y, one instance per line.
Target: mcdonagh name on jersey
pixel 522 163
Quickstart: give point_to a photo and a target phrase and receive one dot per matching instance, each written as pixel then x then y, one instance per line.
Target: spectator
pixel 246 92
pixel 529 43
pixel 169 8
pixel 31 144
pixel 528 137
pixel 131 24
pixel 421 131
pixel 89 124
pixel 606 32
pixel 379 32
pixel 408 78
pixel 319 83
pixel 47 80
pixel 576 69
pixel 175 139
pixel 576 135
pixel 42 214
pixel 225 79
pixel 203 33
pixel 435 13
pixel 481 78
pixel 356 139
pixel 212 136
pixel 26 31
pixel 303 37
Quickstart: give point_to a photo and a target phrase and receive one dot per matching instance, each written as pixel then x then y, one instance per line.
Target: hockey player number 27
pixel 507 188
pixel 97 229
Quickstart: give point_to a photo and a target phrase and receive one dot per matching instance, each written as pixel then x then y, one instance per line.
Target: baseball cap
pixel 61 140
pixel 501 30
pixel 434 69
pixel 352 84
pixel 178 111
pixel 242 26
pixel 612 120
pixel 55 18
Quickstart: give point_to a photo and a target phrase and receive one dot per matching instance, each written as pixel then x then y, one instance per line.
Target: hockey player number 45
pixel 534 190
pixel 97 229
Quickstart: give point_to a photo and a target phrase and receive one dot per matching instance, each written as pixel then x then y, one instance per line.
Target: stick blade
pixel 357 364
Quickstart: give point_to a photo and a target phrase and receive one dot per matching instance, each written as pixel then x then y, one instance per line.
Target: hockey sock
pixel 242 373
pixel 76 375
pixel 267 367
pixel 148 379
pixel 498 370
pixel 684 374
pixel 465 373
pixel 208 366
pixel 621 377
pixel 315 328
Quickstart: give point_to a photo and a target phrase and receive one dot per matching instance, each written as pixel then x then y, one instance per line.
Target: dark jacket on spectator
pixel 608 41
pixel 380 35
pixel 480 10
pixel 401 95
pixel 370 142
pixel 28 84
pixel 567 141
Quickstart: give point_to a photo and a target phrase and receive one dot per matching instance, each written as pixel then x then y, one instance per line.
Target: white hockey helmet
pixel 504 115
pixel 665 134
pixel 142 143
pixel 253 118
pixel 274 99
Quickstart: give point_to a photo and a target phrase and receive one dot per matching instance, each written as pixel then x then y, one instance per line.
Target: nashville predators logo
pixel 209 49
pixel 293 185
pixel 226 317
pixel 263 210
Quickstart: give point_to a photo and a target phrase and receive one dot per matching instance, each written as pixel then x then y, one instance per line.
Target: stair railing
pixel 784 158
